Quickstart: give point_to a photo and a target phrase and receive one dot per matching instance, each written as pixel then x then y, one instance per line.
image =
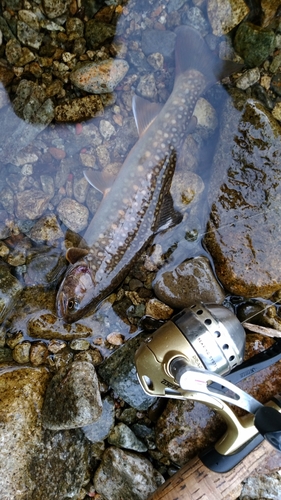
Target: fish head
pixel 76 293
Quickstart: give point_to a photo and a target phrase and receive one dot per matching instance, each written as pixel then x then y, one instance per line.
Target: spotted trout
pixel 138 203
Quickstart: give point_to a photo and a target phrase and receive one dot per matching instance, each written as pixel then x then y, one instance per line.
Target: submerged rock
pixel 243 232
pixel 224 15
pixel 100 78
pixel 253 43
pixel 188 282
pixel 123 474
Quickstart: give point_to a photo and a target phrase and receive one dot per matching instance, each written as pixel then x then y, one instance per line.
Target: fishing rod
pixel 198 355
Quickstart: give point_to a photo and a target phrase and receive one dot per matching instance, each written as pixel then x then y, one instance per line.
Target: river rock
pixel 101 77
pixel 48 326
pixel 123 437
pixel 97 32
pixel 10 289
pixel 73 214
pixel 185 428
pixel 72 398
pixel 243 232
pixel 31 204
pixel 188 282
pixel 158 41
pixel 77 110
pixel 119 372
pixel 55 8
pixel 123 474
pixel 253 43
pixel 99 430
pixel 36 463
pixel 224 15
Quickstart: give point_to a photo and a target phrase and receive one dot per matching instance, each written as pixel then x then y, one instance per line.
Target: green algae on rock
pixel 253 43
pixel 243 233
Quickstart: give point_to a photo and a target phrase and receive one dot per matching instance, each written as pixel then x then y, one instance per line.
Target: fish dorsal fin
pixel 99 181
pixel 167 216
pixel 74 254
pixel 145 112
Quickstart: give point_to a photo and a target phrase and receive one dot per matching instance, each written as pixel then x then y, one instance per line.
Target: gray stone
pixel 224 15
pixel 35 463
pixel 147 86
pixel 73 214
pixel 195 18
pixel 55 8
pixel 126 475
pixel 119 372
pixel 263 486
pixel 72 398
pixel 99 430
pixel 158 41
pixel 28 36
pixel 123 437
pixel 31 204
pixel 188 282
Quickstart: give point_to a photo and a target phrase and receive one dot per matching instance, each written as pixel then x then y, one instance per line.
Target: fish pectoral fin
pixel 99 181
pixel 167 216
pixel 74 254
pixel 145 112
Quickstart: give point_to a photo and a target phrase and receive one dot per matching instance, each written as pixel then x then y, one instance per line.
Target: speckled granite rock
pixel 10 289
pixel 72 398
pixel 126 475
pixel 34 462
pixel 224 15
pixel 100 78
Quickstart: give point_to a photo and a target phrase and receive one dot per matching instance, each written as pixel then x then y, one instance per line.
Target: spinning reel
pixel 199 356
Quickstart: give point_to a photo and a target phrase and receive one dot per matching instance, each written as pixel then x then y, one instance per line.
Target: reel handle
pixel 268 422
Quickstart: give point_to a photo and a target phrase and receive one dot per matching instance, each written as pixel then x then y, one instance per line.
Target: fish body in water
pixel 138 203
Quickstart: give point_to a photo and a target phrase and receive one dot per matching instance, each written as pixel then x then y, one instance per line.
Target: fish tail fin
pixel 192 52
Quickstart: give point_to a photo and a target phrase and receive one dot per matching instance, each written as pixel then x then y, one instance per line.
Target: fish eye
pixel 72 305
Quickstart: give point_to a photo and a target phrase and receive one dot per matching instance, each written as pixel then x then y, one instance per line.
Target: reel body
pixel 198 355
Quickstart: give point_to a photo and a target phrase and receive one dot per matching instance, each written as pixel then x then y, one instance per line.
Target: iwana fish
pixel 138 203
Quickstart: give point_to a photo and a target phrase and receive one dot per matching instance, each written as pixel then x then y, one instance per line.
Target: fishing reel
pixel 198 355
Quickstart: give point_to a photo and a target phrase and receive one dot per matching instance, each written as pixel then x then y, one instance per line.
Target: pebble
pixel 249 78
pixel 55 8
pixel 79 345
pixel 56 346
pixel 158 310
pixel 156 60
pixel 31 204
pixel 100 78
pixel 276 112
pixel 79 109
pixel 73 214
pixel 38 353
pixel 80 189
pixel 46 230
pixel 115 338
pixel 123 472
pixel 106 129
pixel 98 32
pixel 147 86
pixel 48 326
pixel 186 189
pixel 123 437
pixel 224 15
pixel 29 36
pixel 72 398
pixel 195 18
pixel 21 352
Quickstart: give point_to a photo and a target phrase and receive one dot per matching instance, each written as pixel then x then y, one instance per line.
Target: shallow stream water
pixel 69 71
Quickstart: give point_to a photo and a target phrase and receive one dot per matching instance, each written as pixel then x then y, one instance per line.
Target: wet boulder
pixel 243 232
